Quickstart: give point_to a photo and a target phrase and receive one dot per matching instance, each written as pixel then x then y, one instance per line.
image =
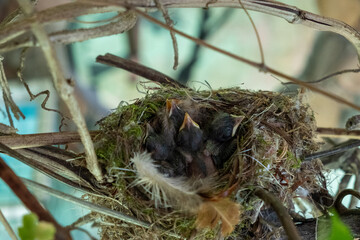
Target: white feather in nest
pixel 181 192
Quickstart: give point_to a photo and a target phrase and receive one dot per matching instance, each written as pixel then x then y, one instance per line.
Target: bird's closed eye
pixel 227 133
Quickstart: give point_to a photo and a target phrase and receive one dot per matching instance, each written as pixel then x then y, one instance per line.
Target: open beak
pixel 188 122
pixel 171 105
pixel 238 120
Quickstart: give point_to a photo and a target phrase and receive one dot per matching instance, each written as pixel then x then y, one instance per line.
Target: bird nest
pixel 264 151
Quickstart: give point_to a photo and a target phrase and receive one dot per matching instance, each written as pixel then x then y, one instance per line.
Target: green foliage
pixel 338 229
pixel 32 229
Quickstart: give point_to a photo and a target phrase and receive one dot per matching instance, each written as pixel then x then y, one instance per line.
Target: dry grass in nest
pixel 276 133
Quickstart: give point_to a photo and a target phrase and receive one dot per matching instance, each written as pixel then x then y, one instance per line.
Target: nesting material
pixel 203 187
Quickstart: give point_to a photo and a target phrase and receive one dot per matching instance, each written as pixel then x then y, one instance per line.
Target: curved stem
pixel 281 212
pixel 341 209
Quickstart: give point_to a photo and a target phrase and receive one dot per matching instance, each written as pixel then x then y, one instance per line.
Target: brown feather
pixel 224 210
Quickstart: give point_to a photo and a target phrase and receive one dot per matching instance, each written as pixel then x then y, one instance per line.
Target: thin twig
pixel 7 108
pixel 9 102
pixel 11 17
pixel 338 133
pixel 170 23
pixel 333 151
pixel 252 63
pixel 82 221
pixel 91 206
pixel 18 187
pixel 7 226
pixel 138 69
pixel 52 162
pixel 42 139
pixel 256 33
pixel 65 89
pixel 84 231
pixel 290 13
pixel 32 96
pixel 355 70
pixel 281 212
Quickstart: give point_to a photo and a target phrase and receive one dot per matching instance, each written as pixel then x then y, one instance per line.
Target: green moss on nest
pixel 276 132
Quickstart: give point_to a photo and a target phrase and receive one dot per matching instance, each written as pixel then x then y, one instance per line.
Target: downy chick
pixel 221 143
pixel 190 144
pixel 161 143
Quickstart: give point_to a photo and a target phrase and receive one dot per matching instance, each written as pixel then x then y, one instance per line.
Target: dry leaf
pixel 224 210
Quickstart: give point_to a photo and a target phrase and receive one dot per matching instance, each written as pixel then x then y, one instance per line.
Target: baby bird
pixel 157 144
pixel 221 143
pixel 197 111
pixel 190 136
pixel 161 143
pixel 224 126
pixel 175 115
pixel 190 144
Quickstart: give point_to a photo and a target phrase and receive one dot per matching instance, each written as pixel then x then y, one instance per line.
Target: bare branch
pixel 333 151
pixel 65 89
pixel 54 163
pixel 42 139
pixel 123 23
pixel 138 69
pixel 49 15
pixel 338 133
pixel 291 14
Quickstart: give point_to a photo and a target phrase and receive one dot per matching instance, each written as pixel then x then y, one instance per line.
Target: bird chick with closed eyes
pixel 221 143
pixel 190 143
pixel 175 114
pixel 160 142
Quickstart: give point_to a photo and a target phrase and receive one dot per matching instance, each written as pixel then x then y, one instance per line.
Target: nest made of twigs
pixel 276 133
